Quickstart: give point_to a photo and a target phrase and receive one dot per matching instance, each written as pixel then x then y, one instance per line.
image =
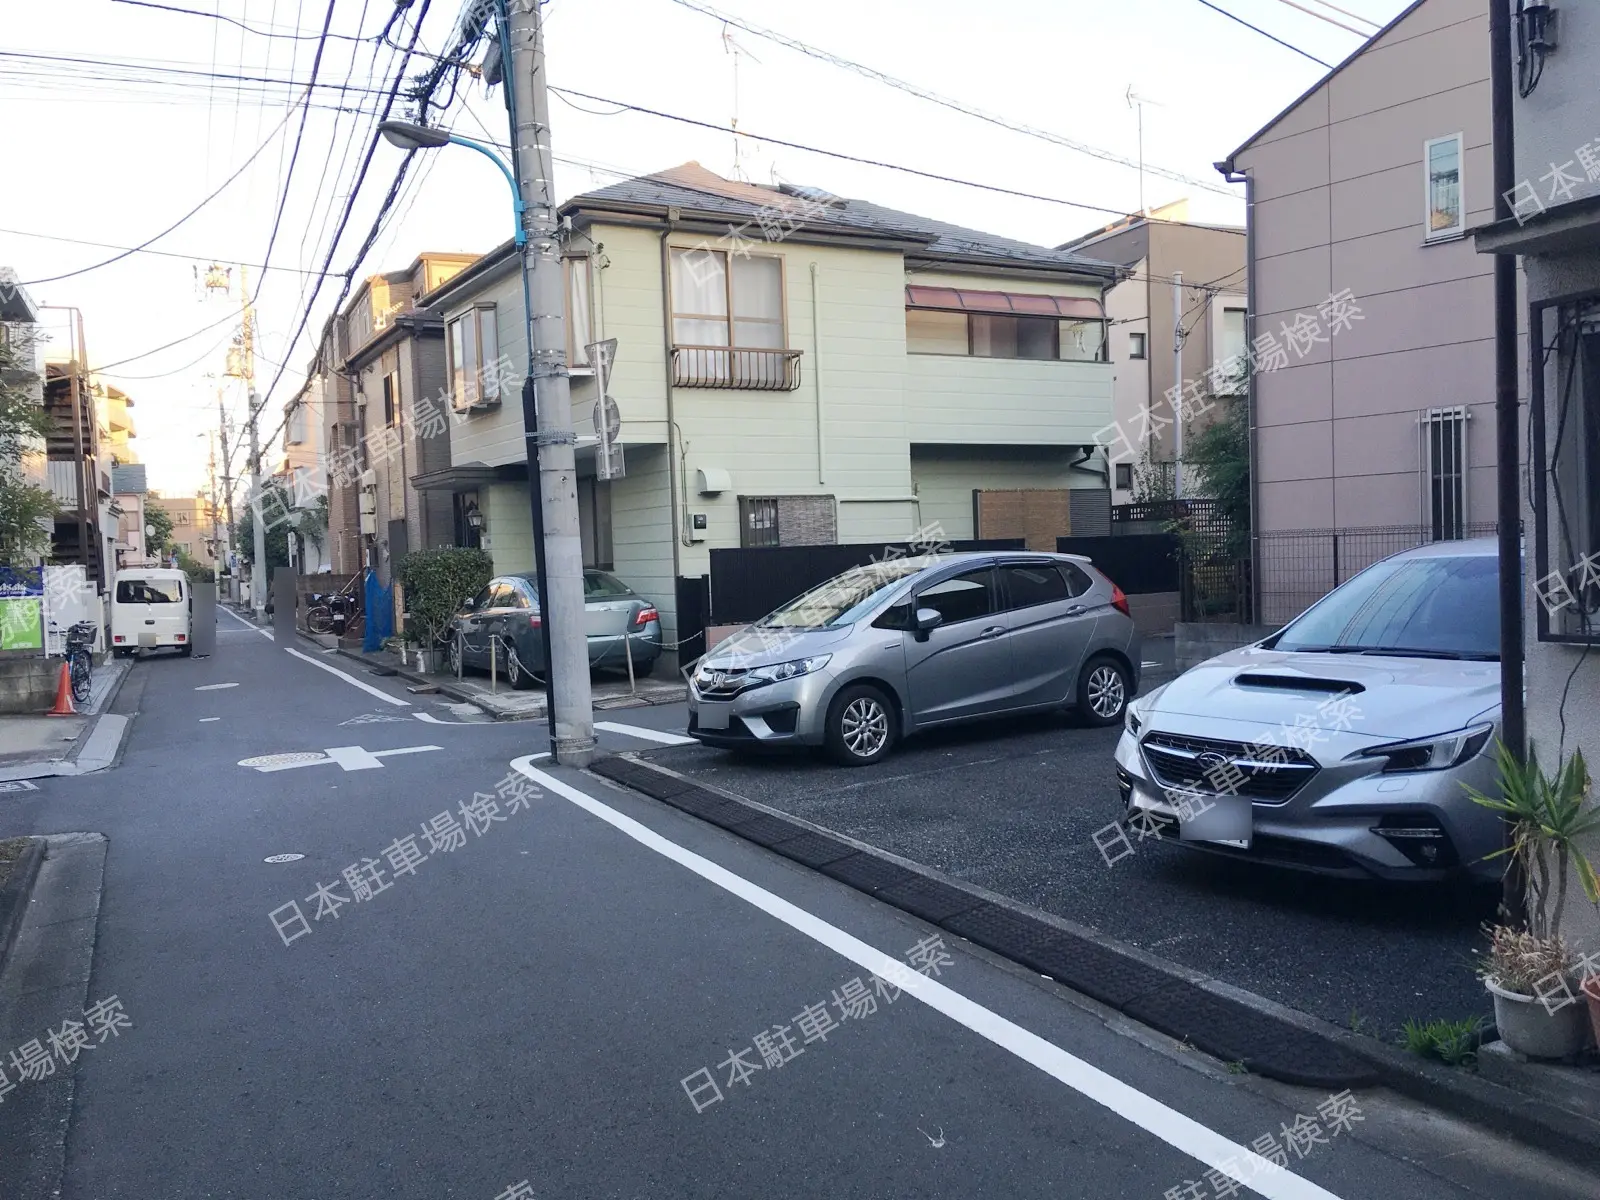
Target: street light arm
pixel 505 169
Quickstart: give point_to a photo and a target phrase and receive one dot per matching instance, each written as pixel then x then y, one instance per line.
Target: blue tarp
pixel 380 614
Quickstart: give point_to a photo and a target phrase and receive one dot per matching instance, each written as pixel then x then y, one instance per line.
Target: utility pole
pixel 1177 383
pixel 227 477
pixel 247 372
pixel 549 436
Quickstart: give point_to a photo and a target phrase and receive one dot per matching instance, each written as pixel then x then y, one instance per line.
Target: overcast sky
pixel 117 146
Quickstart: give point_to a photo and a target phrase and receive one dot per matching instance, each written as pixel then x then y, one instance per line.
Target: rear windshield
pixel 1437 606
pixel 597 585
pixel 149 591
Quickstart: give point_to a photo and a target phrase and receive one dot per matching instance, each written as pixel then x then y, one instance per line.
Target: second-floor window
pixel 1136 346
pixel 722 300
pixel 982 324
pixel 297 425
pixel 472 347
pixel 1446 212
pixel 391 397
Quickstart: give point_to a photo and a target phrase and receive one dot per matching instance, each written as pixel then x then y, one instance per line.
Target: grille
pixel 731 683
pixel 1175 761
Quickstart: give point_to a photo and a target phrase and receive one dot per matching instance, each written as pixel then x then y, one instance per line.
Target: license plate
pixel 1223 820
pixel 713 716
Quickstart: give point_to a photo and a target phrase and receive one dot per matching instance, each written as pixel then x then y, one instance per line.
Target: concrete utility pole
pixel 247 372
pixel 550 438
pixel 1177 382
pixel 227 479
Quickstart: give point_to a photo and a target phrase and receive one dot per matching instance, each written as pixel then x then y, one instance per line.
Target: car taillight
pixel 183 637
pixel 1119 601
pixel 118 638
pixel 645 616
pixel 534 621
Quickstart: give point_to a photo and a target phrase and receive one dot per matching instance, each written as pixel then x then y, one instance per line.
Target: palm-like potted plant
pixel 1531 972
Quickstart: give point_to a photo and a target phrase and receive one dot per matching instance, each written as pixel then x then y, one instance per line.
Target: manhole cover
pixel 283 760
pixel 283 858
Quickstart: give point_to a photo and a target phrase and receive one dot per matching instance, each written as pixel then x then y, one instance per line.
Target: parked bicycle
pixel 80 661
pixel 330 613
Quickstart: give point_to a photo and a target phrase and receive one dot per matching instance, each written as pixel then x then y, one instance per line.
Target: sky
pixel 122 120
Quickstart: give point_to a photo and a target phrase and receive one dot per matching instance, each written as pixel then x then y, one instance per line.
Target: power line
pixel 268 32
pixel 150 65
pixel 1345 12
pixel 50 237
pixel 944 101
pixel 869 162
pixel 118 257
pixel 1311 12
pixel 166 346
pixel 1265 34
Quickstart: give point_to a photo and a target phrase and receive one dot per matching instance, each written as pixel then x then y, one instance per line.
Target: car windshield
pixel 1429 607
pixel 844 599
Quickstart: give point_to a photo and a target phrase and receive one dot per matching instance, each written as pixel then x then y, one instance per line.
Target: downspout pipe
pixel 1252 401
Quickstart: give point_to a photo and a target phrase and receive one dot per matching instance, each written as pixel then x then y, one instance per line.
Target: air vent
pixel 1297 683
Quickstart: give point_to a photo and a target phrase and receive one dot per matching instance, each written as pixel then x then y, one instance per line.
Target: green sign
pixel 21 624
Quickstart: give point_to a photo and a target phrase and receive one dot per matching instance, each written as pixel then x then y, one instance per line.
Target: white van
pixel 150 608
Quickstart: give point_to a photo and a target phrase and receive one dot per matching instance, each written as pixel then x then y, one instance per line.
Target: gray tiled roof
pixel 939 239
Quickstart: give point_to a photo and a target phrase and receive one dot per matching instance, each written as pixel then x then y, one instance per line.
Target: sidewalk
pixel 38 747
pixel 504 703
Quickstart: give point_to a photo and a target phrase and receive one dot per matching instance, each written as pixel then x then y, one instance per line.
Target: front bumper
pixel 1348 820
pixel 790 713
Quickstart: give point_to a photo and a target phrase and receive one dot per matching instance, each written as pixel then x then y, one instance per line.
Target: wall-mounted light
pixel 1536 41
pixel 475 517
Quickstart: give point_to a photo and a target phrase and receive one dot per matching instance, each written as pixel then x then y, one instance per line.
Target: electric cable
pixel 1265 34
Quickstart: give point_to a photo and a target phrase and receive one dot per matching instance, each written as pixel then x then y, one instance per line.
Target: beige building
pixel 791 368
pixel 191 524
pixel 1367 186
pixel 1202 267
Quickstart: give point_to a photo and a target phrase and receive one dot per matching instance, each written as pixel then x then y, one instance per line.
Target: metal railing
pixel 744 370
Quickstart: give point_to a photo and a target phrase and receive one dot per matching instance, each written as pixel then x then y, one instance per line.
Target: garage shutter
pixel 1038 515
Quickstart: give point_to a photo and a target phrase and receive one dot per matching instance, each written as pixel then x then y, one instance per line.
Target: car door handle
pixel 1077 609
pixel 993 631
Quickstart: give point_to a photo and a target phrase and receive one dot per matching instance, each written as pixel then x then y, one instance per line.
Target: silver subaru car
pixel 1341 744
pixel 907 644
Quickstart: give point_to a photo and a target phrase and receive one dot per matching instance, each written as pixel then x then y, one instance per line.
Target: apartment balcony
pixel 62 475
pixel 960 400
pixel 735 370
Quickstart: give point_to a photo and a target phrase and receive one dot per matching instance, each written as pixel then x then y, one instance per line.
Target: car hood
pixel 1389 698
pixel 757 647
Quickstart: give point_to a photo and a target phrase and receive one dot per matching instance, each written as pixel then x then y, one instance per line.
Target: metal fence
pixel 1300 566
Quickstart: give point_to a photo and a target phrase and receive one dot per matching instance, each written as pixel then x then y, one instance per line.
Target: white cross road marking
pixel 214 687
pixel 645 735
pixel 349 758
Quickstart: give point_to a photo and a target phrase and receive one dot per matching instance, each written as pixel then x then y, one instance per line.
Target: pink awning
pixel 1079 308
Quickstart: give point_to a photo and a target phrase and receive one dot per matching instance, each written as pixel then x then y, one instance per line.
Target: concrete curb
pixel 14 895
pixel 1214 1016
pixel 95 750
pixel 45 982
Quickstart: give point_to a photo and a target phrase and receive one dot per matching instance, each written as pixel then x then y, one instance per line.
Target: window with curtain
pixel 1442 161
pixel 472 352
pixel 718 302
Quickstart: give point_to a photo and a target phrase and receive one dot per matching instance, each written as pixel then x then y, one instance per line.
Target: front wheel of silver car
pixel 1103 691
pixel 861 726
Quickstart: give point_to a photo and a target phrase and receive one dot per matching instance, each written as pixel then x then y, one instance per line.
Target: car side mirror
pixel 928 619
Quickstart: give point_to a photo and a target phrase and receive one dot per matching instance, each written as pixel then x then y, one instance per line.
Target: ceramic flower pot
pixel 1530 1026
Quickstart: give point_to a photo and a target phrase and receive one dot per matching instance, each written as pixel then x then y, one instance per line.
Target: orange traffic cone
pixel 63 706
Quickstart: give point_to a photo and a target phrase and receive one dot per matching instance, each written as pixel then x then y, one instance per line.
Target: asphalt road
pixel 528 1005
pixel 1014 806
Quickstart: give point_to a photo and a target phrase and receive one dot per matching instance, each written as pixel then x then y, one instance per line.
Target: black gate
pixel 1138 563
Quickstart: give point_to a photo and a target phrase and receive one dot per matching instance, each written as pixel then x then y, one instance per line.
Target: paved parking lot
pixel 1013 807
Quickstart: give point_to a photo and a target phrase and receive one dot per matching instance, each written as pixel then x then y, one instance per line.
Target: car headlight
pixel 1132 719
pixel 1431 753
pixel 778 672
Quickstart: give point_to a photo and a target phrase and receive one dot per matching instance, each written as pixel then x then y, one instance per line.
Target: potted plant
pixel 1531 972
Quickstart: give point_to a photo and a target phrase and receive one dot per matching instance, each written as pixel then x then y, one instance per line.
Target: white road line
pixel 1149 664
pixel 1182 1132
pixel 214 687
pixel 648 735
pixel 404 750
pixel 203 720
pixel 350 679
pixel 251 626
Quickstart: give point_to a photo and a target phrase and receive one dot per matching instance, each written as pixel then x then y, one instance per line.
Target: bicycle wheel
pixel 319 619
pixel 79 671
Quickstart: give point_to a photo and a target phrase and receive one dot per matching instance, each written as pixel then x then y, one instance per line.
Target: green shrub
pixel 437 583
pixel 1452 1042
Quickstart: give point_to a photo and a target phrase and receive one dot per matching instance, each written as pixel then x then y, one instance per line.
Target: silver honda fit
pixel 906 644
pixel 1341 744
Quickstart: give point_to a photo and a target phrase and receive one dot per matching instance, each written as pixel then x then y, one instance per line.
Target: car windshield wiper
pixel 1320 649
pixel 1416 652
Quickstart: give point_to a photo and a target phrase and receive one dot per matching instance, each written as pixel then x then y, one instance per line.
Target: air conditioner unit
pixel 369 524
pixel 369 503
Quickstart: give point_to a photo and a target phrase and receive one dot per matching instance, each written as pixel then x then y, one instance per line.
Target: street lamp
pixel 409 136
pixel 425 137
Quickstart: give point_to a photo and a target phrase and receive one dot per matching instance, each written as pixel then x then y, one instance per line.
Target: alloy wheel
pixel 864 726
pixel 1106 693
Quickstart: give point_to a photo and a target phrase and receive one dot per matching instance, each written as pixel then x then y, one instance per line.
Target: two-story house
pixel 379 357
pixel 789 368
pixel 1183 275
pixel 1555 228
pixel 1379 427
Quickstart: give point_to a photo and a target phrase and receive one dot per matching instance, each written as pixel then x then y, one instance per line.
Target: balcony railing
pixel 745 370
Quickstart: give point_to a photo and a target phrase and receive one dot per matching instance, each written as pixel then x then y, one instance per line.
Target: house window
pixel 787 521
pixel 472 350
pixel 297 425
pixel 391 398
pixel 1004 335
pixel 1124 477
pixel 718 304
pixel 1231 351
pixel 580 308
pixel 1442 168
pixel 1445 463
pixel 1136 345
